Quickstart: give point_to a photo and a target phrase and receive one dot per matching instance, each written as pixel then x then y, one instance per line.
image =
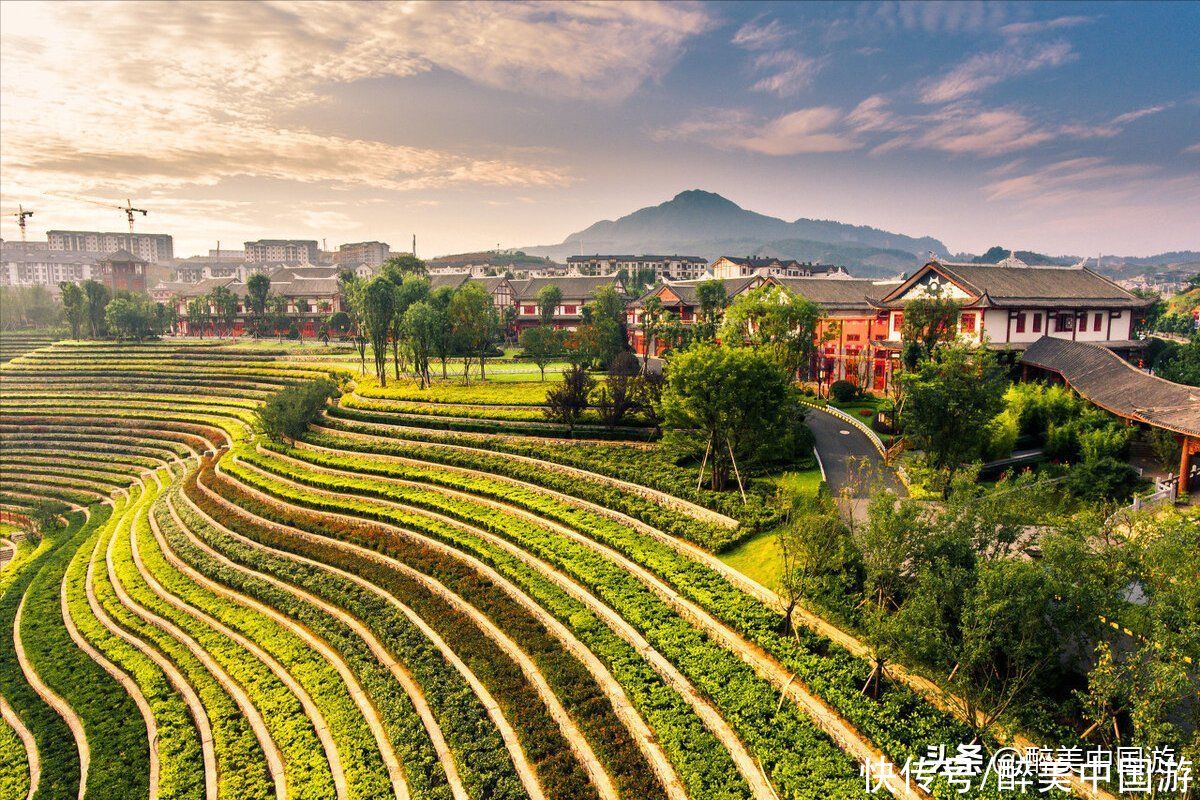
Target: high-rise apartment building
pixel 156 248
pixel 283 251
pixel 373 254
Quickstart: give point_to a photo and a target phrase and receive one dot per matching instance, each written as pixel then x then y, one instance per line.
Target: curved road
pixel 839 445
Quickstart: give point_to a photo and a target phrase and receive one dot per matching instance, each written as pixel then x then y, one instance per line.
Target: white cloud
pixel 987 69
pixel 786 72
pixel 756 35
pixel 1040 26
pixel 807 130
pixel 966 129
pixel 133 98
pixel 1131 116
pixel 1195 148
pixel 1055 181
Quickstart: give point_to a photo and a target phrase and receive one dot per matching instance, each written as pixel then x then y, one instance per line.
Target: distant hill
pixel 997 254
pixel 705 224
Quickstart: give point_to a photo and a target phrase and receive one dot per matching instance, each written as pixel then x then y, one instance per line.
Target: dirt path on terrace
pixel 399 672
pixel 837 727
pixel 311 710
pixel 707 712
pixel 520 762
pixel 361 700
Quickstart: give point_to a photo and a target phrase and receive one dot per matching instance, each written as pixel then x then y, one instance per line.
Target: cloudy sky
pixel 1063 127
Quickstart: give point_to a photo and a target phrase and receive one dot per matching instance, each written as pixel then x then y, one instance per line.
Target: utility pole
pixel 414 246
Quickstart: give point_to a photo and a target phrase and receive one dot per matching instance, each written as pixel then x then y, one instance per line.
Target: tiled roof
pixel 836 295
pixel 1031 287
pixel 451 279
pixel 201 288
pixel 686 290
pixel 572 287
pixel 121 257
pixel 1104 378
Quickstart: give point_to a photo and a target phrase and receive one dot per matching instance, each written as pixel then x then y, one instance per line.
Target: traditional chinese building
pixel 577 291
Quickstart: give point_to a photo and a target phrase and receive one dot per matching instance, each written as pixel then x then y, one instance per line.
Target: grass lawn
pixel 758 558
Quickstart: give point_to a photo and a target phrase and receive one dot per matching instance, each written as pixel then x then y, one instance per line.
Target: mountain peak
pixel 702 223
pixel 699 197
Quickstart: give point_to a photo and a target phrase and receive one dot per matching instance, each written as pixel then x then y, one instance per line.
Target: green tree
pixel 567 401
pixel 1181 364
pixel 604 335
pixel 711 297
pixel 198 316
pixel 776 320
pixel 542 345
pixel 951 398
pixel 166 315
pixel 549 298
pixel 258 286
pixel 651 323
pixel 378 310
pixel 420 328
pixel 410 289
pixel 96 299
pixel 617 397
pixel 277 314
pixel 75 306
pixel 287 413
pixel 929 322
pixel 813 550
pixel 352 290
pixel 225 304
pixel 130 317
pixel 404 264
pixel 731 408
pixel 475 325
pixel 443 343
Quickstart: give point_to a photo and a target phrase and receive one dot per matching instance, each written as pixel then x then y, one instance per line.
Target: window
pixel 1096 321
pixel 570 309
pixel 529 310
pixel 1021 322
pixel 1066 322
pixel 852 337
pixel 967 323
pixel 898 320
pixel 1037 322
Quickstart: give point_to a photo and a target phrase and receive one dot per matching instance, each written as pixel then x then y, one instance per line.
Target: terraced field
pixel 418 599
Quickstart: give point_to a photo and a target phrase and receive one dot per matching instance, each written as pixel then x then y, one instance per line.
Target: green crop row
pixel 90 393
pixel 479 751
pixel 523 414
pixel 241 765
pixel 526 393
pixel 900 721
pixel 702 763
pixel 797 756
pixel 115 731
pixel 558 770
pixel 709 536
pixel 56 748
pixel 498 427
pixel 306 768
pixel 14 765
pixel 578 691
pixel 403 725
pixel 357 750
pixel 181 768
pixel 647 466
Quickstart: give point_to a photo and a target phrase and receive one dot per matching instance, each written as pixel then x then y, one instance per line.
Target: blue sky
pixel 1064 127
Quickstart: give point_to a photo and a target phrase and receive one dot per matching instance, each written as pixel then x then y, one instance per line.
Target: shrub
pixel 1002 435
pixel 1111 441
pixel 843 391
pixel 1102 479
pixel 287 413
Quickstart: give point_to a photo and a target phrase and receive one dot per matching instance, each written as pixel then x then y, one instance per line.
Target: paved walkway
pixel 841 447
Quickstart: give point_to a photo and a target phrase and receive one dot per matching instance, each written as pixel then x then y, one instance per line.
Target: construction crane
pixel 127 208
pixel 21 214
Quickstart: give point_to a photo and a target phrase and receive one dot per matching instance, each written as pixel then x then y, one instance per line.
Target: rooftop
pixel 1027 286
pixel 1104 378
